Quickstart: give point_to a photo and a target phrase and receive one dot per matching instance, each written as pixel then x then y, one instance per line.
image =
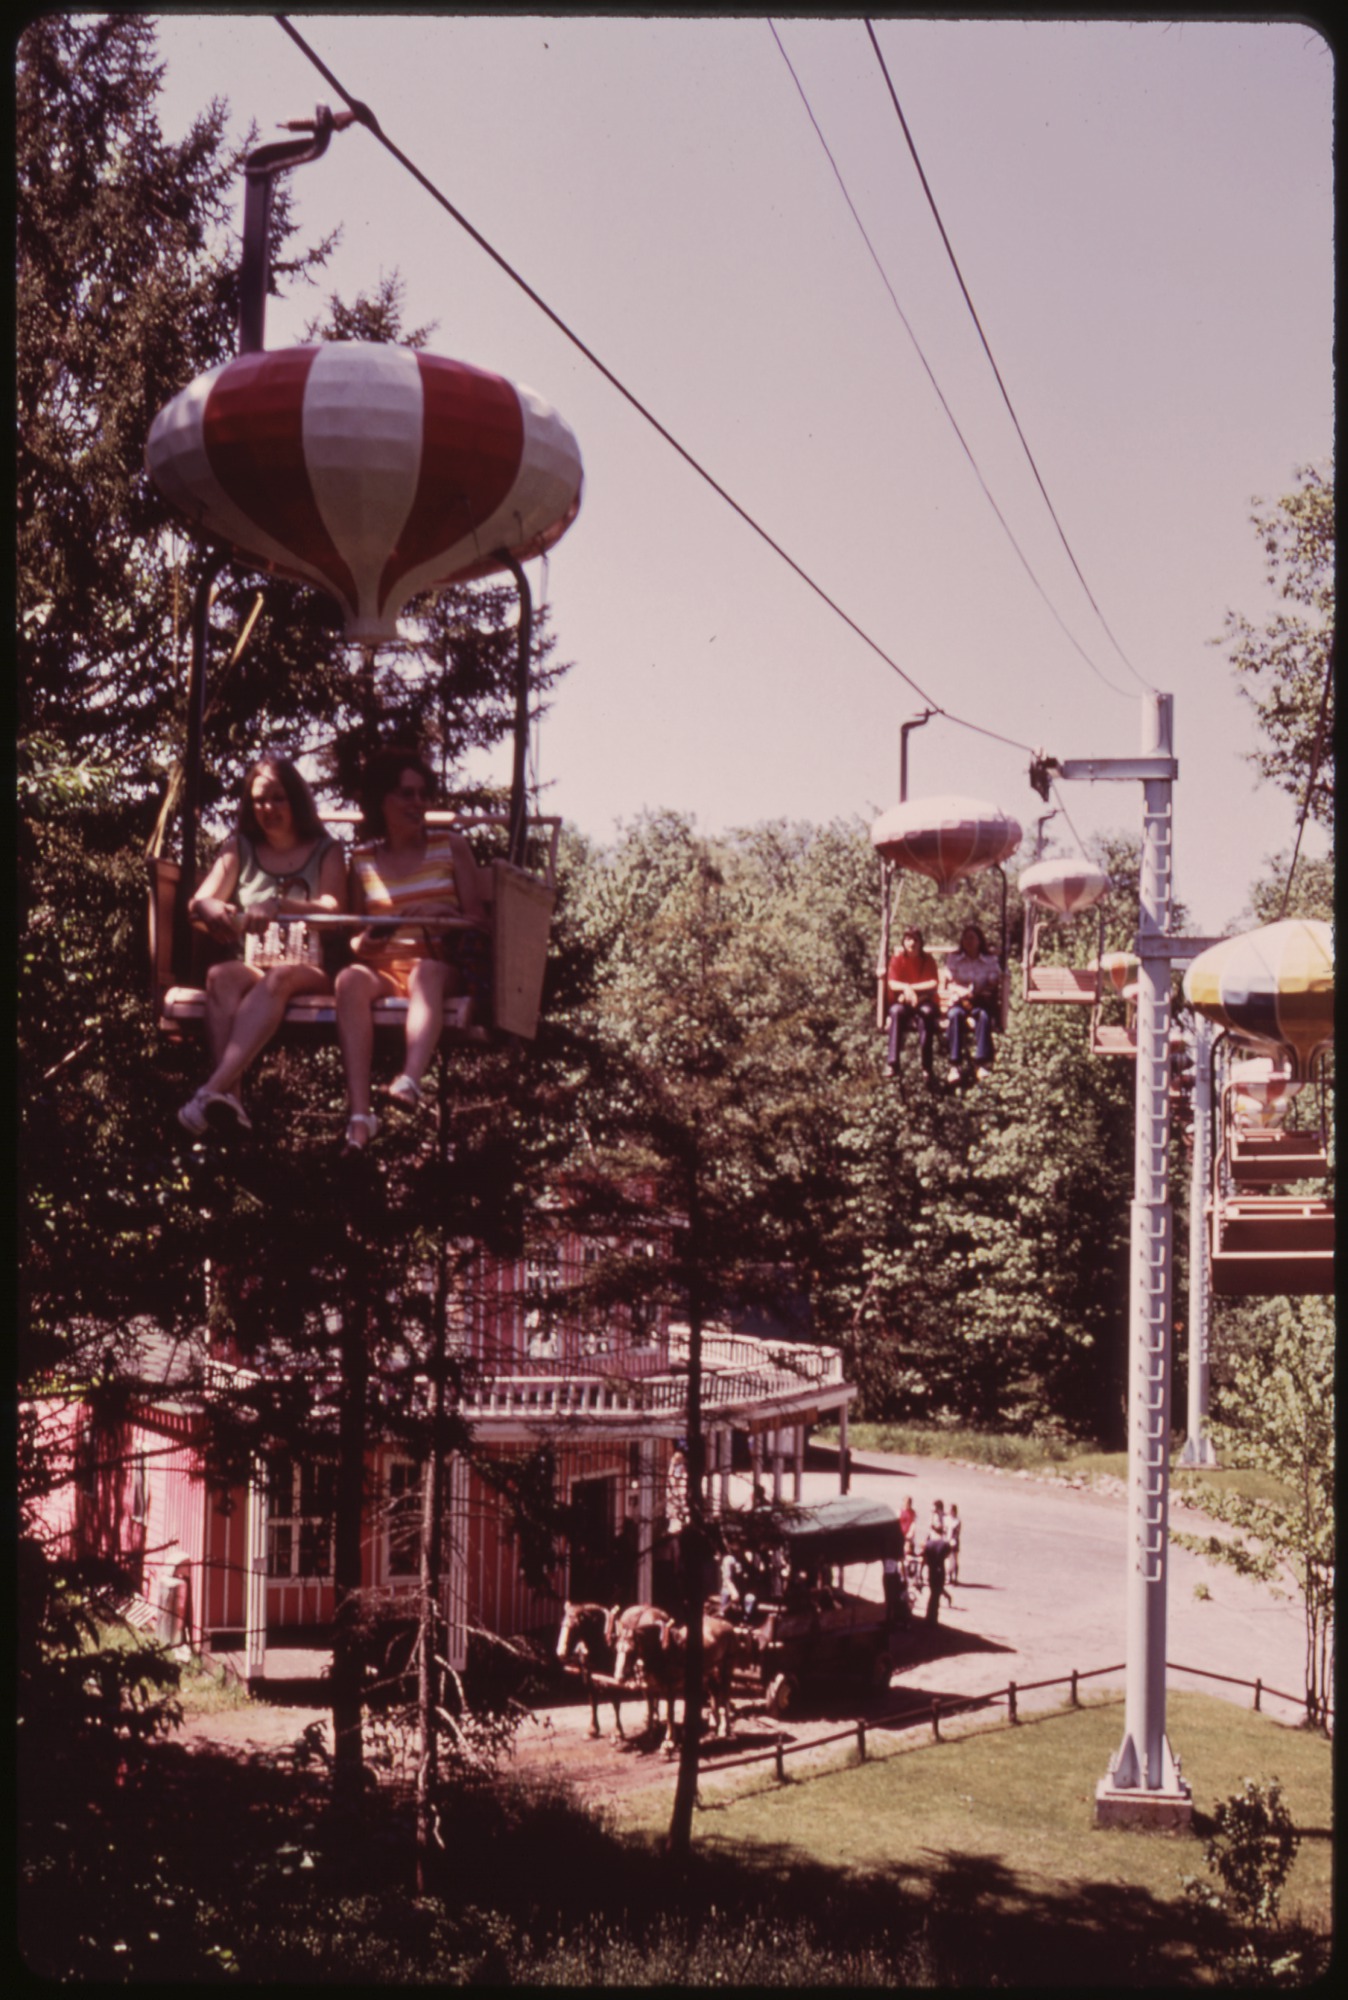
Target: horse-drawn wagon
pixel 805 1625
pixel 788 1621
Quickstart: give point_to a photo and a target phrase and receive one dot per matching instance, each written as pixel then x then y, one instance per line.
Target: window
pixel 300 1497
pixel 541 1277
pixel 403 1518
pixel 597 1331
pixel 641 1322
pixel 140 1490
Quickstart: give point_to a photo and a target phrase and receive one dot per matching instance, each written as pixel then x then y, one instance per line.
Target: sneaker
pixel 982 1072
pixel 952 1075
pixel 192 1115
pixel 223 1111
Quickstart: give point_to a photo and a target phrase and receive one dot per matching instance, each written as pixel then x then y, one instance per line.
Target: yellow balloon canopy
pixel 1273 986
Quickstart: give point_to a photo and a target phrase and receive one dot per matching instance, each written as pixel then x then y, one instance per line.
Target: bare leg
pixel 425 1015
pixel 258 1015
pixel 226 987
pixel 357 990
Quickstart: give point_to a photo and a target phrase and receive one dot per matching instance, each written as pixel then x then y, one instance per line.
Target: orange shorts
pixel 397 970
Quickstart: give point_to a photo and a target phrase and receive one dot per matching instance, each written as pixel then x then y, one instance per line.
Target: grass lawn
pixel 1028 1454
pixel 993 1834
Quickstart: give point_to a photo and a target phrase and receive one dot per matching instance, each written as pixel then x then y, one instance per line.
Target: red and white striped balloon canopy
pixel 1118 968
pixel 945 839
pixel 1263 1092
pixel 373 472
pixel 1064 884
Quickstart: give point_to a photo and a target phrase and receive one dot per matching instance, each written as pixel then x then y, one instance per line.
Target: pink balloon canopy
pixel 946 838
pixel 373 472
pixel 1063 884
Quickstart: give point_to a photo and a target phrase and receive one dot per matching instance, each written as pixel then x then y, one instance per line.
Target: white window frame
pixel 295 1526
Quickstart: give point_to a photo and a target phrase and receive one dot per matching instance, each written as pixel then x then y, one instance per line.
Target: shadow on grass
pixel 201 1868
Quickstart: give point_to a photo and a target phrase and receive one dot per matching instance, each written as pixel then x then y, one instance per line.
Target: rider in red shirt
pixel 911 983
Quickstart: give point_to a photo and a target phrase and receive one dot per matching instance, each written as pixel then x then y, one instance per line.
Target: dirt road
pixel 1041 1591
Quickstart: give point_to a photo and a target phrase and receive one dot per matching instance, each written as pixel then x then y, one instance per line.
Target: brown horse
pixel 623 1632
pixel 585 1640
pixel 663 1653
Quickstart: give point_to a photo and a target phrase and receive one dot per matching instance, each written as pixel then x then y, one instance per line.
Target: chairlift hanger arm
pixel 261 168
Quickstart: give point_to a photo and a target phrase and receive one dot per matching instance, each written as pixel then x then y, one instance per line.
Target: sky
pixel 1143 216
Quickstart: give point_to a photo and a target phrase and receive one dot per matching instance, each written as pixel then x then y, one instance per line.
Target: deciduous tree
pixel 1286 663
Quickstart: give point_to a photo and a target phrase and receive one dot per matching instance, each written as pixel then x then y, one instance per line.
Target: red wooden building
pixel 240 1564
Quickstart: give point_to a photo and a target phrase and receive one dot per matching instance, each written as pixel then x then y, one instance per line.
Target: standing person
pixel 907 1522
pixel 953 1537
pixel 278 861
pixel 896 1591
pixel 408 870
pixel 934 1553
pixel 911 982
pixel 676 1489
pixel 678 1514
pixel 975 976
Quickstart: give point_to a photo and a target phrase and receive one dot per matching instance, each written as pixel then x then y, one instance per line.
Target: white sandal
pixel 405 1093
pixel 364 1121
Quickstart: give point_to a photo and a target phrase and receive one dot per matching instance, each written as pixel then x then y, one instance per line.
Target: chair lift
pixel 1272 991
pixel 944 839
pixel 519 901
pixel 1260 1150
pixel 458 429
pixel 1263 1244
pixel 1060 887
pixel 1112 969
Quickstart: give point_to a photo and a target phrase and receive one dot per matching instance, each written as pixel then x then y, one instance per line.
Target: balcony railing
pixel 739 1372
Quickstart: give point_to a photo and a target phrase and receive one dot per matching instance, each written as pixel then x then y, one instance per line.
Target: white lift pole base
pixel 1156 1808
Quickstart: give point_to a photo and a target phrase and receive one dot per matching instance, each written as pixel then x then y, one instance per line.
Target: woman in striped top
pixel 407 870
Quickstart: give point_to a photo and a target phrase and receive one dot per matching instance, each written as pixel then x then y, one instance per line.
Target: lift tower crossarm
pixel 1177 950
pixel 1145 768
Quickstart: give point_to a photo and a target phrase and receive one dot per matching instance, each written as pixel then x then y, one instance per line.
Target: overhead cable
pixel 367 118
pixel 931 377
pixel 954 262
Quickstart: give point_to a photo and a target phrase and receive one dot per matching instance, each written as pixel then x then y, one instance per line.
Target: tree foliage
pixel 966 1250
pixel 1285 663
pixel 1275 1414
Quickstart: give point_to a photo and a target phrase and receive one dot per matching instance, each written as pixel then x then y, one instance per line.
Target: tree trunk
pixel 428 1768
pixel 347 1693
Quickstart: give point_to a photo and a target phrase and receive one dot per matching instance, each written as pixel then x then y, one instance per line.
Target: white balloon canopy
pixel 373 472
pixel 945 838
pixel 1064 883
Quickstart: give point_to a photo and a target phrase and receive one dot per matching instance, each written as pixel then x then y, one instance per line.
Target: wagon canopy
pixel 842 1531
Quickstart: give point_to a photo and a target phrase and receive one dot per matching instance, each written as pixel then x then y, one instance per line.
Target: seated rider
pixel 974 974
pixel 911 983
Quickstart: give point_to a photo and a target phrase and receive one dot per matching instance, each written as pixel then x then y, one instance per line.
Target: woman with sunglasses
pixel 407 870
pixel 279 861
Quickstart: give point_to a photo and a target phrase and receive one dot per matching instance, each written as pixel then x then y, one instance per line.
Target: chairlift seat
pixel 1110 1038
pixel 1265 1159
pixel 520 904
pixel 1271 1245
pixel 1060 985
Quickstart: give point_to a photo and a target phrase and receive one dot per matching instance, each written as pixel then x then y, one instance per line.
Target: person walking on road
pixel 934 1552
pixel 953 1537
